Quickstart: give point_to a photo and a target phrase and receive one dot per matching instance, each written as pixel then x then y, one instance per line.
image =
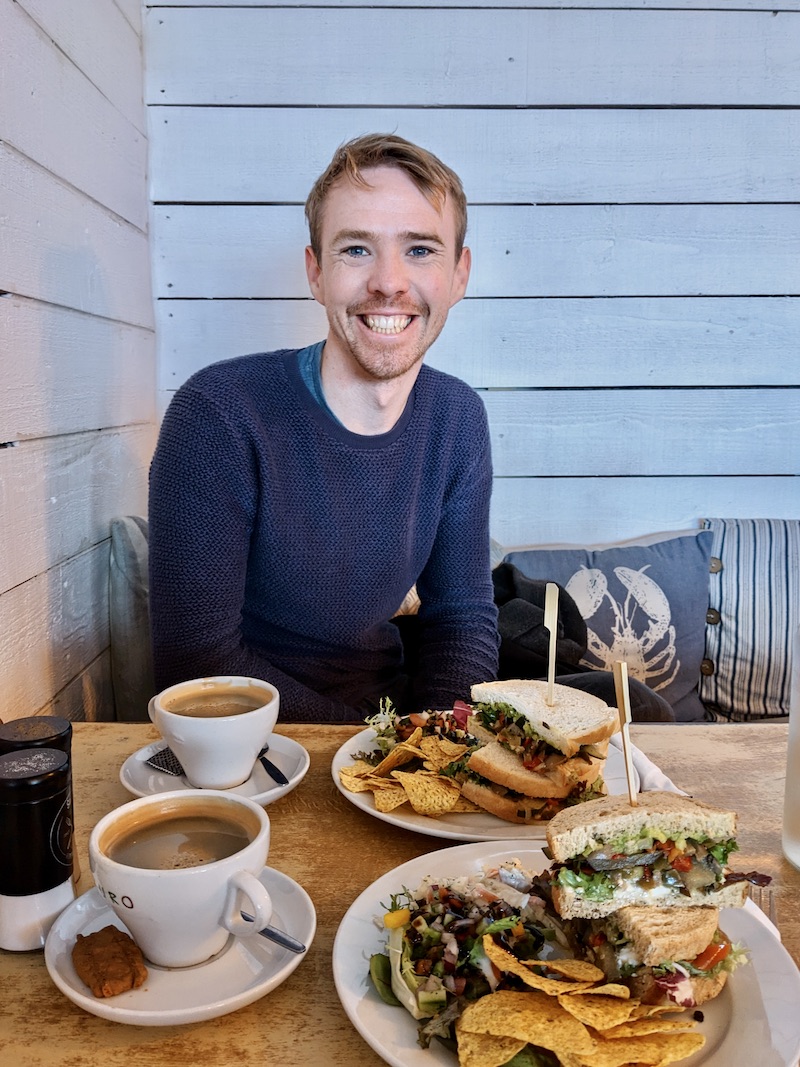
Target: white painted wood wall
pixel 77 345
pixel 632 319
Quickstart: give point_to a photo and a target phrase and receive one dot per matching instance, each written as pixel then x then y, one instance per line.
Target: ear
pixel 314 275
pixel 461 276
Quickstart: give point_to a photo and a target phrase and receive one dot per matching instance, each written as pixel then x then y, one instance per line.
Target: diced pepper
pixel 393 919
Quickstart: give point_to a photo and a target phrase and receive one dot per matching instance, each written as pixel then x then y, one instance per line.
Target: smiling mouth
pixel 386 324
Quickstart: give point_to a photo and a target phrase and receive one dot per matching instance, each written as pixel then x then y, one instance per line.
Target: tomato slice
pixel 682 863
pixel 714 954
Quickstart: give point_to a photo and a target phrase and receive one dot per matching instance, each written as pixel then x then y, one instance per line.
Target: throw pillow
pixel 644 602
pixel 754 614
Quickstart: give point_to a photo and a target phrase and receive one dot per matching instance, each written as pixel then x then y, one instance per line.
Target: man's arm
pixel 458 643
pixel 203 501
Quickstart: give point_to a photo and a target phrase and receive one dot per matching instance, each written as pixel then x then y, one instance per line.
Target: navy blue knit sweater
pixel 281 544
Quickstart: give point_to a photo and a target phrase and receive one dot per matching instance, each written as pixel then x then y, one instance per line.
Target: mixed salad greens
pixel 435 962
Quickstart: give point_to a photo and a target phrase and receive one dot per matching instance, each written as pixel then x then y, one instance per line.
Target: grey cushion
pixel 644 601
pixel 129 594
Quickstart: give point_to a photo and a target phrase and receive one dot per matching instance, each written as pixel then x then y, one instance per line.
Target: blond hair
pixel 434 179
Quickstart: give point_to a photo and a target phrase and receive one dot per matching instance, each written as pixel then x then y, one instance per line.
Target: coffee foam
pixel 178 807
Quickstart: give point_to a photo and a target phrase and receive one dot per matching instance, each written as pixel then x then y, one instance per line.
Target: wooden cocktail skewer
pixel 624 705
pixel 551 624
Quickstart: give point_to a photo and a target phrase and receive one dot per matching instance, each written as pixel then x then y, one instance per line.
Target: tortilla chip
pixel 355 783
pixel 600 1012
pixel 650 1049
pixel 403 752
pixel 464 805
pixel 389 799
pixel 439 751
pixel 651 1025
pixel 533 1017
pixel 509 964
pixel 486 1050
pixel 578 970
pixel 429 794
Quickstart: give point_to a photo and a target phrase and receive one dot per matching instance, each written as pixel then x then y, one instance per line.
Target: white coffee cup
pixel 179 868
pixel 216 726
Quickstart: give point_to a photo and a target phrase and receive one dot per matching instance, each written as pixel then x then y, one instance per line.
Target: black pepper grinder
pixel 36 828
pixel 42 731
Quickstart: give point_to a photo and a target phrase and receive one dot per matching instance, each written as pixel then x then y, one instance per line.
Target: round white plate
pixel 461 826
pixel 753 1020
pixel 244 971
pixel 287 755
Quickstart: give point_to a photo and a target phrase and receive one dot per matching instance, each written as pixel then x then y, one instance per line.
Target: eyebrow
pixel 367 235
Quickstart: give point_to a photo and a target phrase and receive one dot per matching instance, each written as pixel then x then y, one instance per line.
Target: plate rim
pixel 265 798
pixel 415 868
pixel 177 1016
pixel 422 824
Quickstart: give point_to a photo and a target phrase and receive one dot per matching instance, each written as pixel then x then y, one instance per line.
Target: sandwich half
pixel 668 851
pixel 664 955
pixel 535 758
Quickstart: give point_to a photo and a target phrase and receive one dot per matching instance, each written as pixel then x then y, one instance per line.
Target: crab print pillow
pixel 644 602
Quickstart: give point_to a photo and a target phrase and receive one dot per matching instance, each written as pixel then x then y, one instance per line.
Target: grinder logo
pixel 61 835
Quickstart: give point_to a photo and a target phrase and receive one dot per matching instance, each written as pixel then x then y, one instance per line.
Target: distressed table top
pixel 335 851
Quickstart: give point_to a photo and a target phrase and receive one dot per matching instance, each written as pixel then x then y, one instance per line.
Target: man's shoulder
pixel 253 367
pixel 441 383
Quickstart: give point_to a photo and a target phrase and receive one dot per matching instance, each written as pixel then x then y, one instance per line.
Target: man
pixel 297 496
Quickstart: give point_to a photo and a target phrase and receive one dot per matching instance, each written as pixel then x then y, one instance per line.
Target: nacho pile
pixel 420 783
pixel 568 1008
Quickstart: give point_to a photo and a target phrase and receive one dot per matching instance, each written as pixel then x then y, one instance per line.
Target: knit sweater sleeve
pixel 459 641
pixel 203 500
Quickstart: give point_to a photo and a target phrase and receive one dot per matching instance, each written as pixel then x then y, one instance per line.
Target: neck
pixel 364 405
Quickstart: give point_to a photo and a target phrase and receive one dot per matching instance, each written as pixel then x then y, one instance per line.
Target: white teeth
pixel 387 323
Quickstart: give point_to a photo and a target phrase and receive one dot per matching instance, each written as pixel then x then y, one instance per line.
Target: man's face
pixel 388 273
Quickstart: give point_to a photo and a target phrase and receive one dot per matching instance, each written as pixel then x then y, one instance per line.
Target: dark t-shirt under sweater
pixel 281 543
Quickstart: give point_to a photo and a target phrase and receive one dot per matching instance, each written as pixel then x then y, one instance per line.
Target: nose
pixel 389 274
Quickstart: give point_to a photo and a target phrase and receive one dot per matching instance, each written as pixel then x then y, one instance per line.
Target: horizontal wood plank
pixel 89 697
pixel 99 39
pixel 59 246
pixel 630 250
pixel 528 511
pixel 518 342
pixel 490 57
pixel 599 155
pixel 78 373
pixel 68 126
pixel 53 627
pixel 60 494
pixel 746 5
pixel 622 432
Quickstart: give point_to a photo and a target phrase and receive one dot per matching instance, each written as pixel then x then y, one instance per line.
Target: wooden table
pixel 335 851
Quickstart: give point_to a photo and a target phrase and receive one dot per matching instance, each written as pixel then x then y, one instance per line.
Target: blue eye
pixel 420 252
pixel 355 251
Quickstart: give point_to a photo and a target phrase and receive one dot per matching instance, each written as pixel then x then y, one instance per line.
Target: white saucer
pixel 245 970
pixel 287 755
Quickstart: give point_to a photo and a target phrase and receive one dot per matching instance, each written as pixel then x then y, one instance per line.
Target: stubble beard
pixel 386 360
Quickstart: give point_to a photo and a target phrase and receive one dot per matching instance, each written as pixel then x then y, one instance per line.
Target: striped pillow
pixel 754 612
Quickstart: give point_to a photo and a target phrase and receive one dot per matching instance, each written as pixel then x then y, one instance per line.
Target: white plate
pixel 244 971
pixel 287 755
pixel 753 1020
pixel 461 826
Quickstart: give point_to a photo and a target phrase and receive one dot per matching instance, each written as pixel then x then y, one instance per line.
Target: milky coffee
pixel 214 704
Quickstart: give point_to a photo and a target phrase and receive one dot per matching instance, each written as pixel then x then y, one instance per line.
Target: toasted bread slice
pixel 497 763
pixel 658 935
pixel 575 830
pixel 510 809
pixel 574 719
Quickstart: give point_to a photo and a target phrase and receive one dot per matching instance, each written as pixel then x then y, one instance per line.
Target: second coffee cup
pixel 216 726
pixel 179 868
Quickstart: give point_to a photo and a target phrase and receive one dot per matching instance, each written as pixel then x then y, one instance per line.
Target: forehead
pixel 389 204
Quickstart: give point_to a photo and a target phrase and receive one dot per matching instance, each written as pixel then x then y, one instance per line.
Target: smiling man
pixel 297 496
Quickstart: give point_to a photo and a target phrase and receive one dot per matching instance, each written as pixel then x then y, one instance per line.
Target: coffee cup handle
pixel 260 905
